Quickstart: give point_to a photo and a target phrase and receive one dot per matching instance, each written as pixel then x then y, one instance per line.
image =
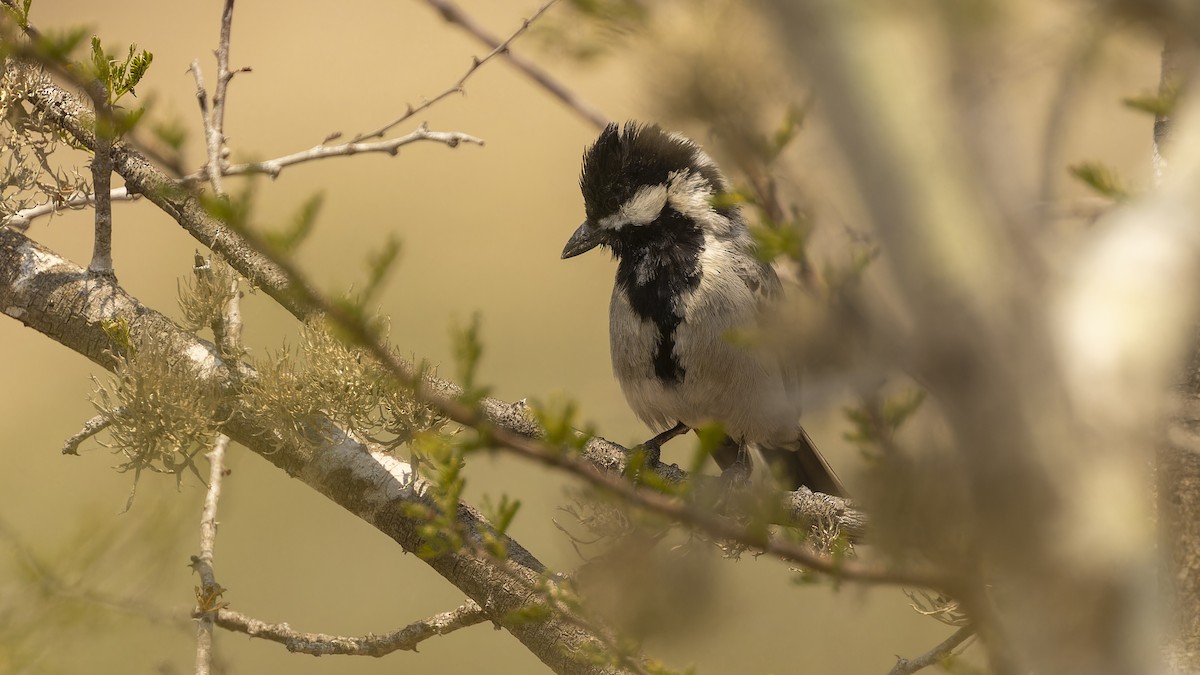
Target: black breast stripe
pixel 660 265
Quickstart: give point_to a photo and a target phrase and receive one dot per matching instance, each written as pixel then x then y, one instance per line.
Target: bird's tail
pixel 798 463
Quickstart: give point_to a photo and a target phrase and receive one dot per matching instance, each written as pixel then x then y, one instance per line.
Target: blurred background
pixel 481 230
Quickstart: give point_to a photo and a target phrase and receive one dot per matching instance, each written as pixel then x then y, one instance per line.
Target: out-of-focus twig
pixel 936 655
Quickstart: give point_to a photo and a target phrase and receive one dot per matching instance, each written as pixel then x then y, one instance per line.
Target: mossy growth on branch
pixel 160 414
pixel 322 381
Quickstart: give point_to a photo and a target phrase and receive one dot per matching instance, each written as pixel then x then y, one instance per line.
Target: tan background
pixel 482 229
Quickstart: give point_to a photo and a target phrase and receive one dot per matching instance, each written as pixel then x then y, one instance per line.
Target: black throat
pixel 659 266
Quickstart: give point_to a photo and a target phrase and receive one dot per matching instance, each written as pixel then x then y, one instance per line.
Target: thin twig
pixel 458 87
pixel 209 593
pixel 273 167
pixel 224 75
pixel 90 428
pixel 319 644
pixel 228 329
pixel 212 138
pixel 214 117
pixel 938 654
pixel 21 220
pixel 454 15
pixel 102 168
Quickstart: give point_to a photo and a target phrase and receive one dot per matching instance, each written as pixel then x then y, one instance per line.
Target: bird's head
pixel 642 185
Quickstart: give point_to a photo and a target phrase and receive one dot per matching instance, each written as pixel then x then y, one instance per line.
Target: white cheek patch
pixel 641 209
pixel 690 195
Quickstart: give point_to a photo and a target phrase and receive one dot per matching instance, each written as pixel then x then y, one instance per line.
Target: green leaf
pixel 468 350
pixel 101 66
pixel 793 121
pixel 124 121
pixel 787 240
pixel 1159 105
pixel 19 14
pixel 118 332
pixel 557 418
pixel 711 437
pixel 172 132
pixel 379 265
pixel 1100 178
pixel 862 428
pixel 233 210
pixel 531 613
pixel 729 199
pixel 134 69
pixel 57 47
pixel 501 517
pixel 287 240
pixel 898 409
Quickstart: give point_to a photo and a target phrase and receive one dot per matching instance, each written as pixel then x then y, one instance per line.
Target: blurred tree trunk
pixel 1051 385
pixel 1178 477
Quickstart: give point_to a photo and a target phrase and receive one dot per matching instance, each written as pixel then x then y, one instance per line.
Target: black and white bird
pixel 687 277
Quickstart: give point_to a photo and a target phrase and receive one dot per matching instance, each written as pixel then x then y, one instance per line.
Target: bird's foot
pixel 650 452
pixel 736 478
pixel 734 488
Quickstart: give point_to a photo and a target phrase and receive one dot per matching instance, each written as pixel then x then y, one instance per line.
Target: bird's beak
pixel 586 238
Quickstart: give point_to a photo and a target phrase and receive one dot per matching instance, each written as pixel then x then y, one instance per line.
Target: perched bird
pixel 687 277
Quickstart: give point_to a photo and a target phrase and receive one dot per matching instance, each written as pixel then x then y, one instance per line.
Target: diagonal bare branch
pixel 939 653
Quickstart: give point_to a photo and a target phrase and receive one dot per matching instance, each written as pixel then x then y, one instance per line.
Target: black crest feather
pixel 621 161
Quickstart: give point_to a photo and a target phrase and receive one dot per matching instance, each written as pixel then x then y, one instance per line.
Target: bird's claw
pixel 651 454
pixel 651 450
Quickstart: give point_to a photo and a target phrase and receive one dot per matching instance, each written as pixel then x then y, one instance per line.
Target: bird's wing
pixel 768 290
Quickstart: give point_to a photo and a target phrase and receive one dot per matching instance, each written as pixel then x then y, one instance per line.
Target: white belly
pixel 742 389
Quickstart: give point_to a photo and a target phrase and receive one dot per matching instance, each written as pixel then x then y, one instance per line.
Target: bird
pixel 687 278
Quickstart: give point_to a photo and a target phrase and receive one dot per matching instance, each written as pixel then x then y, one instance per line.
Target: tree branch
pixel 102 168
pixel 936 655
pixel 23 218
pixel 90 428
pixel 319 644
pixel 56 297
pixel 459 86
pixel 209 591
pixel 273 167
pixel 213 140
pixel 454 15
